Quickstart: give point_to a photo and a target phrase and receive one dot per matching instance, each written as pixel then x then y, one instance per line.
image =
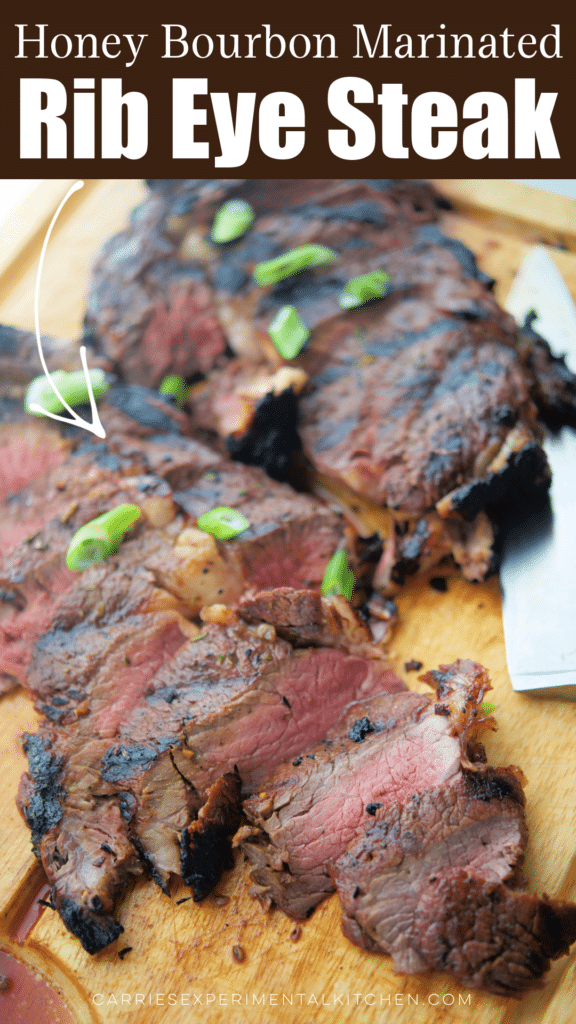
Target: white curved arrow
pixel 96 426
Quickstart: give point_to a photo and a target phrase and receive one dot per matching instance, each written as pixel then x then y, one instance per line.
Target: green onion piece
pixel 293 262
pixel 176 387
pixel 487 707
pixel 232 221
pixel 223 523
pixel 100 537
pixel 359 290
pixel 288 332
pixel 72 387
pixel 338 578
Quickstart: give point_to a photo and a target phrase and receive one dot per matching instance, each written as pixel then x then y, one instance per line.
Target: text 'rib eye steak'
pixel 435 882
pixel 142 730
pixel 385 749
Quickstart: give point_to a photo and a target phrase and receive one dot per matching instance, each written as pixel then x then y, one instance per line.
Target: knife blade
pixel 538 568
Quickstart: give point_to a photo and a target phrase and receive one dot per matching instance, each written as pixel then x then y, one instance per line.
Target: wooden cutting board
pixel 184 963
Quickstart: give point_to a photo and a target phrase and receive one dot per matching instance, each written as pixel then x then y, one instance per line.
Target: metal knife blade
pixel 538 570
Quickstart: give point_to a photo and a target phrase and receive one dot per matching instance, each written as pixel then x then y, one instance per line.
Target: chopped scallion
pixel 232 221
pixel 359 290
pixel 72 387
pixel 288 332
pixel 175 387
pixel 488 708
pixel 100 537
pixel 293 262
pixel 223 523
pixel 338 578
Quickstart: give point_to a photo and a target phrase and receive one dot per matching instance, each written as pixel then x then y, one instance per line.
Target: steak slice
pixel 148 723
pixel 434 883
pixel 29 446
pixel 490 937
pixel 385 749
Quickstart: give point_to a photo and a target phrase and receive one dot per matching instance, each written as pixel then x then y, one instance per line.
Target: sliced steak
pixel 289 541
pixel 145 718
pixel 33 573
pixel 384 750
pixel 433 882
pixel 423 402
pixel 164 299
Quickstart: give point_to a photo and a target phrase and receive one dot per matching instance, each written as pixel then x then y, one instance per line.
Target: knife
pixel 538 569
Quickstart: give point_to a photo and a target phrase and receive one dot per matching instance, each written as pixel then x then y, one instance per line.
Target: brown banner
pixel 283 91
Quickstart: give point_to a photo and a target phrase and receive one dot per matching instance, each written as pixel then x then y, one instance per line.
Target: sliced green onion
pixel 72 387
pixel 100 537
pixel 176 387
pixel 359 290
pixel 293 262
pixel 232 220
pixel 223 523
pixel 338 578
pixel 288 332
pixel 488 708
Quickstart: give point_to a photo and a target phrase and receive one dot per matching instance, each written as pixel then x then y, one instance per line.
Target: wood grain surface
pixel 181 966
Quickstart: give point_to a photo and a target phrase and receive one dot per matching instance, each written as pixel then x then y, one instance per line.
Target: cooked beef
pixel 414 547
pixel 555 384
pixel 492 937
pixel 20 360
pixel 384 750
pixel 33 573
pixel 424 399
pixel 475 822
pixel 146 721
pixel 434 883
pixel 305 617
pixel 160 297
pixel 438 320
pixel 204 844
pixel 174 480
pixel 406 397
pixel 29 447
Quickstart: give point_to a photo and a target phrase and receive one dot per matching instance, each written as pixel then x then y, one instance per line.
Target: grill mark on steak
pixel 424 372
pixel 307 812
